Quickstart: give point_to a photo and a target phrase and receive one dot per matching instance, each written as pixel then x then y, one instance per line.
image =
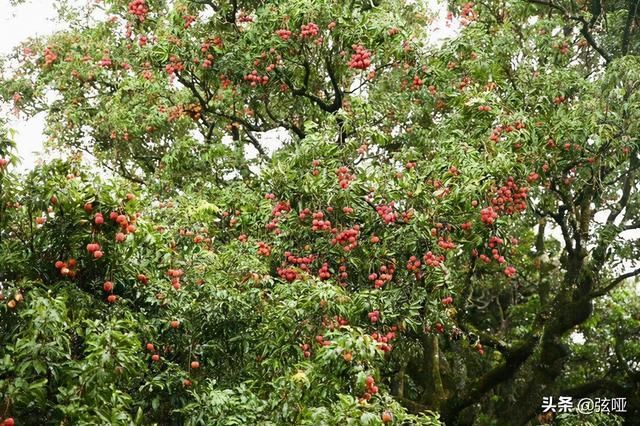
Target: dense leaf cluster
pixel 425 242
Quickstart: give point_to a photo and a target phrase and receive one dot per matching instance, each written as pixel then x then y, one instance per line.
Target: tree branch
pixel 626 35
pixel 290 126
pixel 586 389
pixel 611 285
pixel 489 340
pixel 627 185
pixel 245 123
pixel 513 360
pixel 204 104
pixel 255 142
pixel 302 91
pixel 584 30
pixel 559 218
pixel 631 226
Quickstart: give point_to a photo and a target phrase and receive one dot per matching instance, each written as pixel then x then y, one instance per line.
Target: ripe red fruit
pixel 8 421
pixel 283 34
pixel 93 247
pixel 107 286
pixel 155 357
pixel 387 417
pixel 195 365
pixel 510 271
pixel 488 216
pixel 175 324
pixel 186 383
pixel 150 347
pixel 361 59
pixel 309 30
pixel 88 207
pixel 369 381
pixel 99 219
pixel 112 298
pixel 120 237
pixel 98 254
pixel 130 197
pixel 113 215
pixel 53 200
pixel 64 271
pixel 59 264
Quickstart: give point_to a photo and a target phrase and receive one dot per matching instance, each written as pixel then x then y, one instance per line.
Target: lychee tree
pixel 438 226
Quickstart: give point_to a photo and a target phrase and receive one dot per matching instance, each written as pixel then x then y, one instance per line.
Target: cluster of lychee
pixel 323 272
pixel 283 34
pixel 387 212
pixel 175 275
pixel 287 274
pixel 319 224
pixel 67 269
pixel 384 339
pixel 263 248
pixel 344 177
pixel 309 30
pixel 370 388
pixel 301 262
pixel 433 260
pixel 49 56
pixel 348 238
pixel 255 79
pixel 384 275
pixel 139 9
pixel 510 198
pixel 446 243
pixel 361 58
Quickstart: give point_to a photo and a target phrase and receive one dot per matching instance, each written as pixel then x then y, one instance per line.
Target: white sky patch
pixel 577 338
pixel 441 29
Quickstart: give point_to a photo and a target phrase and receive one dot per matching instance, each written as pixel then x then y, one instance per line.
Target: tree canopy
pixel 306 212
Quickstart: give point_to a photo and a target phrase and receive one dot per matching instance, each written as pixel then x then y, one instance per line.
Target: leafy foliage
pixel 436 227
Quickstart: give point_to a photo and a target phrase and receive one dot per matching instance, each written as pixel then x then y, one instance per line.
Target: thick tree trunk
pixel 434 393
pixel 572 307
